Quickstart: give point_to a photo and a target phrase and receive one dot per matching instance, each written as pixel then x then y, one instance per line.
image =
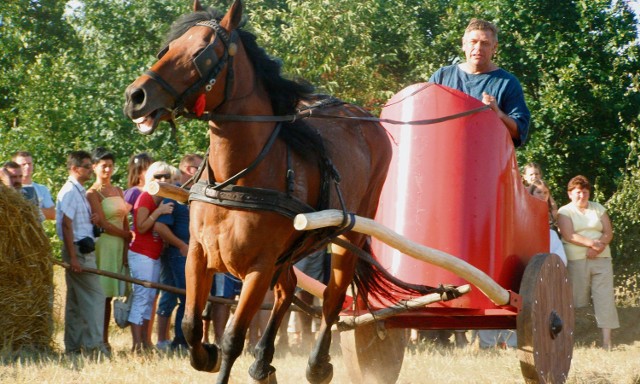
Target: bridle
pixel 208 65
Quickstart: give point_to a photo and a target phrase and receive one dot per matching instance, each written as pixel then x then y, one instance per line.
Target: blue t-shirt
pixel 500 84
pixel 178 222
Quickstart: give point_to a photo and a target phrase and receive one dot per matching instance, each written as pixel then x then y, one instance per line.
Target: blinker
pixel 206 59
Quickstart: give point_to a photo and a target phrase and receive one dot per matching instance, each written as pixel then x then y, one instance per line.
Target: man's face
pixel 15 175
pixel 84 171
pixel 479 47
pixel 190 169
pixel 26 163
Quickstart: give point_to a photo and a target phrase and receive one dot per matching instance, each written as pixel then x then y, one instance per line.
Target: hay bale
pixel 26 276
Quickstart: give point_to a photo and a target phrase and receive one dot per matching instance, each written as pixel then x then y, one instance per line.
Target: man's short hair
pixel 11 165
pixel 188 159
pixel 20 154
pixel 482 25
pixel 75 158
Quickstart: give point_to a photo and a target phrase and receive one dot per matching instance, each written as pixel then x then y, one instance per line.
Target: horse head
pixel 194 71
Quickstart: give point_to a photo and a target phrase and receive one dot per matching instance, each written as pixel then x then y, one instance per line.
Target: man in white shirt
pixel 84 308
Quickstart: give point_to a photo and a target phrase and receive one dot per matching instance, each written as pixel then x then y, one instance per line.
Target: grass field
pixel 424 363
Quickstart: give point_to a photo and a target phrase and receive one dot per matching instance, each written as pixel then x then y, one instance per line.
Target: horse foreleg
pixel 261 370
pixel 319 368
pixel 204 357
pixel 254 288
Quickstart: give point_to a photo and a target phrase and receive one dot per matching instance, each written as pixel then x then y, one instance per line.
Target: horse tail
pixel 373 280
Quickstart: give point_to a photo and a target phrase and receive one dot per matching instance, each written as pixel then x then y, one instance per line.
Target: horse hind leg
pixel 319 367
pixel 261 371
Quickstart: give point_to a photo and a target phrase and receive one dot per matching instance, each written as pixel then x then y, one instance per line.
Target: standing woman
pixel 586 233
pixel 144 255
pixel 107 202
pixel 136 170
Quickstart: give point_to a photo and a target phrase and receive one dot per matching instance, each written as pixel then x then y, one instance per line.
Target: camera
pixel 97 231
pixel 86 245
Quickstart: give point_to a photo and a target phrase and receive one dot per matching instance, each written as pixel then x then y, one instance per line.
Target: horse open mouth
pixel 147 124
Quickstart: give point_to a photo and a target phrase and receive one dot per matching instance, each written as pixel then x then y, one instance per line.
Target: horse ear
pixel 232 19
pixel 197 6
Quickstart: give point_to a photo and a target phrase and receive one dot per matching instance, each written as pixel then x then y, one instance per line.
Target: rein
pixel 209 66
pixel 309 114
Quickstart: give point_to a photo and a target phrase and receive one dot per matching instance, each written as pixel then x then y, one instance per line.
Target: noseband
pixel 208 65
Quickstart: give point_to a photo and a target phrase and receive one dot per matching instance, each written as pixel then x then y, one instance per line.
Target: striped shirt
pixel 72 202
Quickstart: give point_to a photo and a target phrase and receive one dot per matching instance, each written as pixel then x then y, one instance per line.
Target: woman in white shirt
pixel 586 233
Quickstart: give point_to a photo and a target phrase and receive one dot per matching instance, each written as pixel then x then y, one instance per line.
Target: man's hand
pixel 75 264
pixel 510 123
pixel 4 178
pixel 489 100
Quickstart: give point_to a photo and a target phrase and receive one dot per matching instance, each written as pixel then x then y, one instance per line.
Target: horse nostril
pixel 137 97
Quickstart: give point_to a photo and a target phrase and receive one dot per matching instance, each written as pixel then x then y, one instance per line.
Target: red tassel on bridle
pixel 198 107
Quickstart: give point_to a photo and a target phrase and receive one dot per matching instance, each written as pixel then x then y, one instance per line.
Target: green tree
pixel 66 91
pixel 71 93
pixel 579 64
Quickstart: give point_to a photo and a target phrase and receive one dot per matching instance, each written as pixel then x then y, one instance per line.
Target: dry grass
pixel 25 267
pixel 423 364
pixel 427 365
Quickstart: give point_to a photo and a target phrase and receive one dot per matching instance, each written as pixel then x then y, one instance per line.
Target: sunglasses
pixel 86 166
pixel 162 176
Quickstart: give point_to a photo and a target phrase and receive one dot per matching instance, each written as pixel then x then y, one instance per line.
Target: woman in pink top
pixel 144 255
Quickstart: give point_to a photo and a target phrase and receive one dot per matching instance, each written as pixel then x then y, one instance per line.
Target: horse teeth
pixel 144 128
pixel 140 119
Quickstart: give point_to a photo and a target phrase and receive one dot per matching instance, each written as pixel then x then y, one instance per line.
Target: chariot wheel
pixel 373 354
pixel 546 321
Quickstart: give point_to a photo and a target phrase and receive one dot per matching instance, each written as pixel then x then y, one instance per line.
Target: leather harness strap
pixel 235 196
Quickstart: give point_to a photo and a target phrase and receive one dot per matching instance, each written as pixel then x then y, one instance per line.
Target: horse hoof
pixel 270 379
pixel 215 355
pixel 322 374
pixel 213 361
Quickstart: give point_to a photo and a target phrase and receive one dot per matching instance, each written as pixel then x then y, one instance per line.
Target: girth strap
pixel 251 198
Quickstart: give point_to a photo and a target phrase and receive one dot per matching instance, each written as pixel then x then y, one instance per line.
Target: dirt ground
pixel 588 334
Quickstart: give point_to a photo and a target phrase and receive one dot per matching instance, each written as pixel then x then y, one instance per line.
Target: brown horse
pixel 259 172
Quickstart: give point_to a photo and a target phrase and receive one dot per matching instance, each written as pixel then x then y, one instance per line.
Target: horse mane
pixel 285 94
